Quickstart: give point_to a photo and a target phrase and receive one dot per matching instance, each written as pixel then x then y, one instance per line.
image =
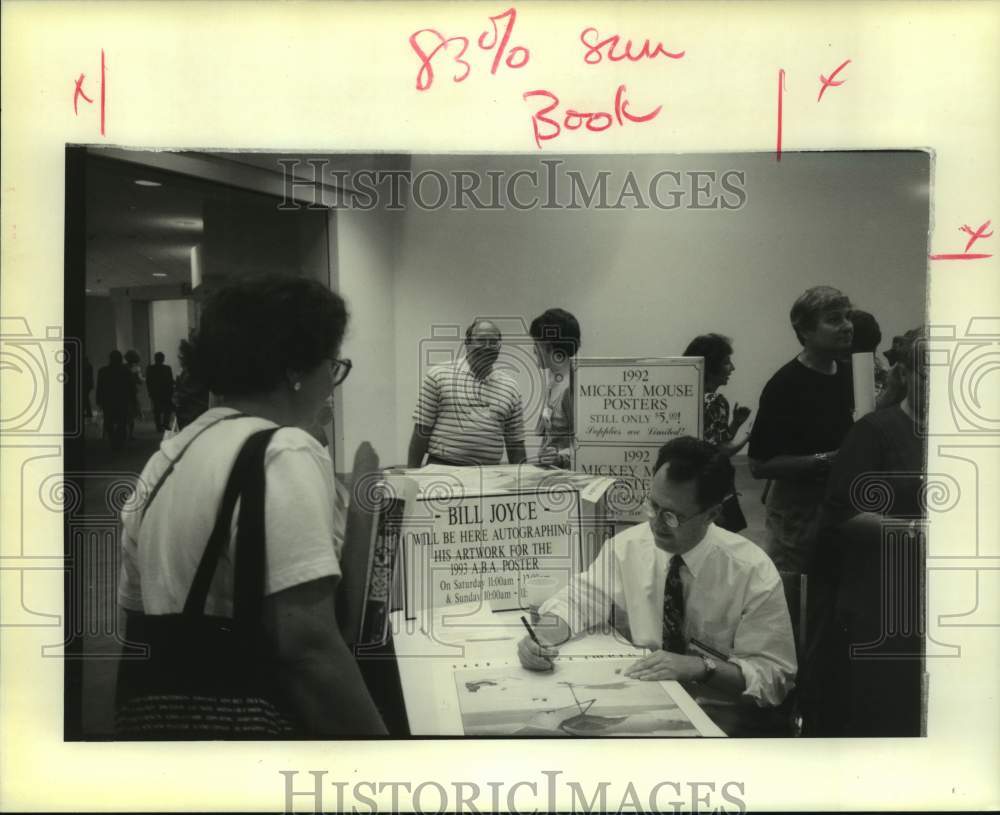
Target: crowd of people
pixel 118 386
pixel 709 603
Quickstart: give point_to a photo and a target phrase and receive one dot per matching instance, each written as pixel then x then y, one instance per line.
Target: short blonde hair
pixel 811 304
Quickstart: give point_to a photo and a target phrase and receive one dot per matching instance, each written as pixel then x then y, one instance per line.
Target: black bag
pixel 207 677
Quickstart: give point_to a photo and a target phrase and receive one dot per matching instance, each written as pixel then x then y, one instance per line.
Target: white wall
pixel 100 327
pixel 366 246
pixel 168 325
pixel 644 283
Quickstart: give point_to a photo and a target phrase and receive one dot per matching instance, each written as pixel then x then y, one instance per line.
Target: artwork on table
pixel 591 698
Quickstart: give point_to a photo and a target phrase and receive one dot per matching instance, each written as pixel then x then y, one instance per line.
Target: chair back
pixel 794 585
pixel 359 536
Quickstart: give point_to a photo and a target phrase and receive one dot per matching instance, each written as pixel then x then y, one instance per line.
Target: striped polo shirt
pixel 471 418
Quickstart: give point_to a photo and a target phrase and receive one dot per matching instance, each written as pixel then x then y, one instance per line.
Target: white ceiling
pixel 142 236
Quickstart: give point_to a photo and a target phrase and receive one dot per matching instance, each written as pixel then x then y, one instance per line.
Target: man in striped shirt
pixel 467 413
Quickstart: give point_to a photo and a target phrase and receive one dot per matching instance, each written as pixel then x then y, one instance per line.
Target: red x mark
pixel 977 235
pixel 829 82
pixel 78 93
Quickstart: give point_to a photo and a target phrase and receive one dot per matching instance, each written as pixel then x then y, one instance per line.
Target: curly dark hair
pixel 715 348
pixel 253 331
pixel 558 329
pixel 867 334
pixel 688 458
pixel 912 349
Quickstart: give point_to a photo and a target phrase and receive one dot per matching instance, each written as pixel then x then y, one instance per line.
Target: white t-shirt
pixel 159 559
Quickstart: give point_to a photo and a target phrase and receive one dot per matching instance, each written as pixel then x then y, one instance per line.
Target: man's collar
pixel 465 367
pixel 695 557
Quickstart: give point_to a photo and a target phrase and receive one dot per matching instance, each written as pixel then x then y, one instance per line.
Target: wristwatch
pixel 710 668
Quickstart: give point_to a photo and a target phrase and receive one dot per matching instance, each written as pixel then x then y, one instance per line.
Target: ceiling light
pixel 159 274
pixel 143 182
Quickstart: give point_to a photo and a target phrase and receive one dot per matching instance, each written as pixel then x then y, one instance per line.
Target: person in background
pixel 682 584
pixel 134 364
pixel 556 333
pixel 191 398
pixel 160 387
pixel 718 428
pixel 867 336
pixel 865 339
pixel 467 411
pixel 268 349
pixel 805 411
pixel 114 394
pixel 894 389
pixel 860 578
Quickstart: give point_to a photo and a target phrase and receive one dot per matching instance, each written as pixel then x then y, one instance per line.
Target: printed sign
pixel 482 548
pixel 632 469
pixel 638 401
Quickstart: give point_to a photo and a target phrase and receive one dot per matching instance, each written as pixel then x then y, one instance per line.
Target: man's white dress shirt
pixel 733 602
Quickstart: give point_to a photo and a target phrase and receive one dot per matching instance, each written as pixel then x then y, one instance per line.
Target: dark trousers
pixel 162 411
pixel 115 428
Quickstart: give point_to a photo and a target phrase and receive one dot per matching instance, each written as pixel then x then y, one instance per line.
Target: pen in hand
pixel 531 632
pixel 534 638
pixel 534 654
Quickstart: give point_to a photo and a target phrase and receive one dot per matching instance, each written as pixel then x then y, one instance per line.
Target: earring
pixel 297 386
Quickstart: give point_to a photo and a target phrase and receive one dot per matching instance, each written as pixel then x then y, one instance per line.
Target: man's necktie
pixel 673 609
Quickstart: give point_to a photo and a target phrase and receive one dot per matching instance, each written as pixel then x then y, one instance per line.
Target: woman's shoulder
pixel 295 440
pixel 226 429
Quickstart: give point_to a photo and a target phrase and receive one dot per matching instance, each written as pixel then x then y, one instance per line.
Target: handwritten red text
pixel 975 235
pixel 79 93
pixel 829 82
pixel 610 48
pixel 547 127
pixel 427 43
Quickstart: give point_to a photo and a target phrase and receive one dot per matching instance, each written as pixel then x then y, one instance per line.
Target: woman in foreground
pixel 267 349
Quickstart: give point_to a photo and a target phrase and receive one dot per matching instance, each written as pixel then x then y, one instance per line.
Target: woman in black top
pixel 805 410
pixel 865 579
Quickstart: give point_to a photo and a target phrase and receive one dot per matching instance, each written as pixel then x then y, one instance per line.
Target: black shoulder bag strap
pixel 173 463
pixel 247 482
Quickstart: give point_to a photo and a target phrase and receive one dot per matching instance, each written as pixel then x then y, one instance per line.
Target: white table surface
pixel 430 649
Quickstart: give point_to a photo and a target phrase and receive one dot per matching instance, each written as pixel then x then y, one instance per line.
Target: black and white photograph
pixel 507 409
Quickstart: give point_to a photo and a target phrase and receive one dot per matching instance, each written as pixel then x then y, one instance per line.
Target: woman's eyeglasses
pixel 339 369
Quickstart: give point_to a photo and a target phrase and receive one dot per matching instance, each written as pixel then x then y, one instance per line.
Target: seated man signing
pixel 683 583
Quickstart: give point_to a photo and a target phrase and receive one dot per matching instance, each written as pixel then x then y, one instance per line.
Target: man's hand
pixel 824 461
pixel 551 457
pixel 661 665
pixel 536 657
